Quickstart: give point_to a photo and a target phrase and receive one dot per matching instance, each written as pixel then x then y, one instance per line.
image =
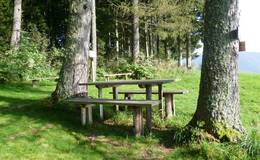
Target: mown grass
pixel 31 129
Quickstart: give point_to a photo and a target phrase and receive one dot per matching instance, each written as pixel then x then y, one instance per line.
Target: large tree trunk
pixel 218 103
pixel 188 51
pixel 136 36
pixel 17 20
pixel 74 68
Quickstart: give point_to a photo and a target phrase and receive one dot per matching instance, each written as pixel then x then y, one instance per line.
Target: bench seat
pixel 153 92
pixel 136 104
pixel 140 103
pixel 168 96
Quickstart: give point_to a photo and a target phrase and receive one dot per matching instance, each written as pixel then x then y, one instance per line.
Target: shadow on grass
pixel 68 117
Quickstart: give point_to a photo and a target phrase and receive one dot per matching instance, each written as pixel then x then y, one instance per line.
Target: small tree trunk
pixel 188 52
pixel 17 20
pixel 117 39
pixel 218 104
pixel 179 51
pixel 94 39
pixel 157 45
pixel 74 68
pixel 136 36
pixel 146 39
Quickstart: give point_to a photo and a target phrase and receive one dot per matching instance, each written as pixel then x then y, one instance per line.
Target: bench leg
pixel 101 110
pixel 83 116
pixel 160 97
pixel 34 83
pixel 90 117
pixel 128 97
pixel 149 109
pixel 138 121
pixel 115 96
pixel 168 106
pixel 173 105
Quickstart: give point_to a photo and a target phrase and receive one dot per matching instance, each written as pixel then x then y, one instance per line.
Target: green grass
pixel 31 129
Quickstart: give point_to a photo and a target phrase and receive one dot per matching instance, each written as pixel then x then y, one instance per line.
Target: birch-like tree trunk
pixel 188 51
pixel 136 35
pixel 74 68
pixel 147 49
pixel 218 108
pixel 94 39
pixel 17 20
pixel 179 51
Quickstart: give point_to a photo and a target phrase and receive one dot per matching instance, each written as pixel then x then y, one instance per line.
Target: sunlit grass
pixel 31 129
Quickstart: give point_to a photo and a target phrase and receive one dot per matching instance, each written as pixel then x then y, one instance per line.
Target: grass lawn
pixel 31 129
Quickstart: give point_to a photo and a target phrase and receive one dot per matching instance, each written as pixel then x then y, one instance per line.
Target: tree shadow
pixel 68 116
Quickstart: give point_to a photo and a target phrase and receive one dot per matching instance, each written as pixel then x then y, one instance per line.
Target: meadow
pixel 30 128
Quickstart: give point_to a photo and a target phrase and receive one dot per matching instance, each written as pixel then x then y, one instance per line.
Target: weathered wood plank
pixel 101 110
pixel 153 92
pixel 149 108
pixel 140 103
pixel 168 106
pixel 83 116
pixel 138 121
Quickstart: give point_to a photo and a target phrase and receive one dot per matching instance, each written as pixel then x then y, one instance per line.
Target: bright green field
pixel 31 129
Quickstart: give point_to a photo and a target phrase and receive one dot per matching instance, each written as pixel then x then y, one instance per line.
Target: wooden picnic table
pixel 148 84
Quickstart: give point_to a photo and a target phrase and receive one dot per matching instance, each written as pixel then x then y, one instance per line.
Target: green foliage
pixel 30 61
pixel 252 144
pixel 122 118
pixel 139 71
pixel 6 13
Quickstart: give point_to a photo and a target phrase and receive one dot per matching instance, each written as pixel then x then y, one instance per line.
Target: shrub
pixel 28 62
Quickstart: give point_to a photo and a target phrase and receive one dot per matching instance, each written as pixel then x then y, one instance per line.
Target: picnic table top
pixel 129 82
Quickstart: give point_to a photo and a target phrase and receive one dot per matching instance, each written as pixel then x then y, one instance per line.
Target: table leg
pixel 101 110
pixel 138 121
pixel 168 106
pixel 149 109
pixel 90 117
pixel 160 97
pixel 173 105
pixel 83 115
pixel 115 96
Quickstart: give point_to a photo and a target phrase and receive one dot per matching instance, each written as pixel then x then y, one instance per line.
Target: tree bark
pixel 179 51
pixel 94 39
pixel 136 36
pixel 147 49
pixel 188 51
pixel 17 20
pixel 218 104
pixel 74 68
pixel 117 39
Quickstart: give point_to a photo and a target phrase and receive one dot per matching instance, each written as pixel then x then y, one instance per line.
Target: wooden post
pixel 101 110
pixel 34 83
pixel 149 109
pixel 128 96
pixel 90 118
pixel 160 97
pixel 83 116
pixel 115 96
pixel 138 121
pixel 168 106
pixel 173 104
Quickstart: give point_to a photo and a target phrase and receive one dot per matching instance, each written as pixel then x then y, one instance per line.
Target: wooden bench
pixel 107 76
pixel 136 104
pixel 168 96
pixel 36 80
